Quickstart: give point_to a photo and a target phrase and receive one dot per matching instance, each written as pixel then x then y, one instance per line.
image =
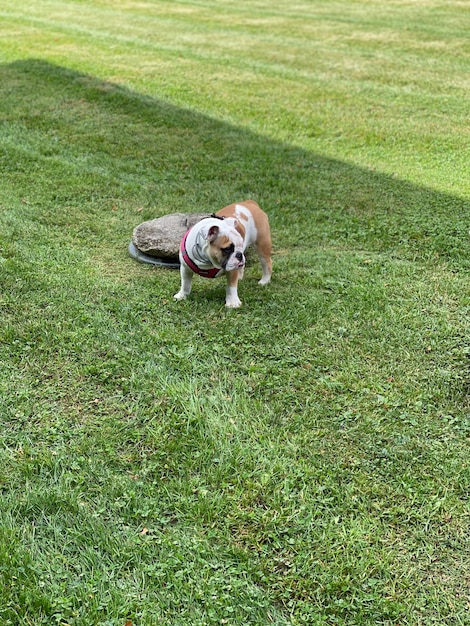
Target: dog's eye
pixel 229 249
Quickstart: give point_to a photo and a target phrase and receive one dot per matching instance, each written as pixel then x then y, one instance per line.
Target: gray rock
pixel 152 260
pixel 161 237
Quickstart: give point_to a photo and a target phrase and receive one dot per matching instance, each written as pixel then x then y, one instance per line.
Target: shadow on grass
pixel 94 159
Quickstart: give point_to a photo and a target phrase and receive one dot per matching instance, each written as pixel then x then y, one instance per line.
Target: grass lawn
pixel 301 460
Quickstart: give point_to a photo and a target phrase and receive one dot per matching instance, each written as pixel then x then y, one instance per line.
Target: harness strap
pixel 205 273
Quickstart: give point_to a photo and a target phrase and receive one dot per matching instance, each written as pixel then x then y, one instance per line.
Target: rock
pixel 152 260
pixel 161 237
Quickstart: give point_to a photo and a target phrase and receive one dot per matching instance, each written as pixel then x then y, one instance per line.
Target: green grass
pixel 302 460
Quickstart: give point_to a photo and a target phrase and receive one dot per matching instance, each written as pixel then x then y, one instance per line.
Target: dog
pixel 216 245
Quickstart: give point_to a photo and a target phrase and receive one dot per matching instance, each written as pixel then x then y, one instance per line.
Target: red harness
pixel 212 272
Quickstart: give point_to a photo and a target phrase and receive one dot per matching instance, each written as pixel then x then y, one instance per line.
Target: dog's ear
pixel 212 233
pixel 232 221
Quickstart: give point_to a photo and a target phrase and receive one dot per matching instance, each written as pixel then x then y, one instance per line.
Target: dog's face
pixel 225 246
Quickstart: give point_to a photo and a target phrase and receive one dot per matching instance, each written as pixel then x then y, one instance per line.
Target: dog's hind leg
pixel 264 249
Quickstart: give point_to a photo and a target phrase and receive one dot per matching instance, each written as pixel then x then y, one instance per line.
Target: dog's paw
pixel 233 303
pixel 180 295
pixel 265 280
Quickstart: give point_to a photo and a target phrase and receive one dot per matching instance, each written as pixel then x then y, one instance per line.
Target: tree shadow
pixel 94 159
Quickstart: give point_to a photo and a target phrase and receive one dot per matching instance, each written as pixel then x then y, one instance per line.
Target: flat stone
pixel 167 262
pixel 160 238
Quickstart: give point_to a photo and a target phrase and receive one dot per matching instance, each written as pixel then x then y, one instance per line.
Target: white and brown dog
pixel 216 246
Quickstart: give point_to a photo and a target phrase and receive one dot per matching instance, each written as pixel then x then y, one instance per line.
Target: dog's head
pixel 225 245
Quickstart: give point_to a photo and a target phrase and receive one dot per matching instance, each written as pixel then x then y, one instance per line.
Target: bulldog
pixel 216 245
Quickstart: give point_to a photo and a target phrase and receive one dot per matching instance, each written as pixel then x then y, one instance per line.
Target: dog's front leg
pixel 232 300
pixel 186 282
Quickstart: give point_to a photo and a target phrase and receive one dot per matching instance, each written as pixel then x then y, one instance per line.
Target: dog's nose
pixel 239 256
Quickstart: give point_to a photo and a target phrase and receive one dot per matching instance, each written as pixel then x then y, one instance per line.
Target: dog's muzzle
pixel 235 262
